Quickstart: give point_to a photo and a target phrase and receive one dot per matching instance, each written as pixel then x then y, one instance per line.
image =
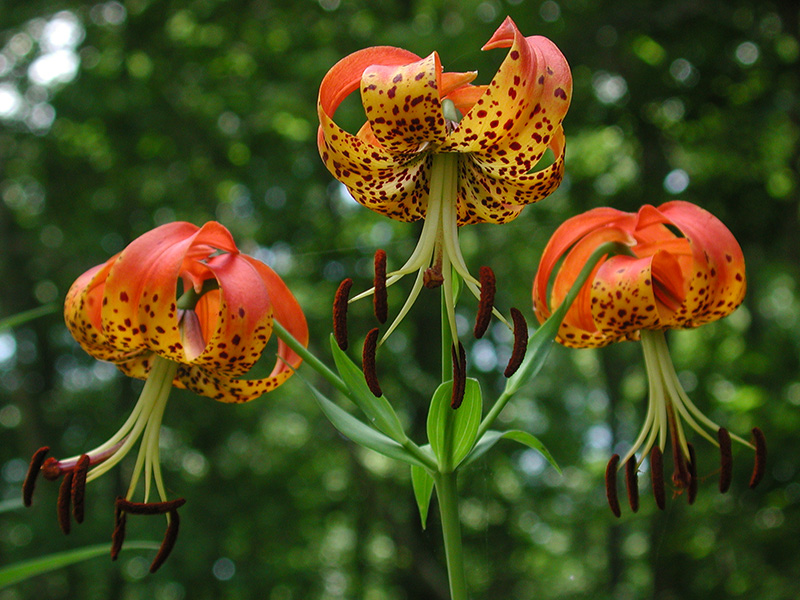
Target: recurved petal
pixel 236 321
pixel 498 190
pixel 403 105
pixel 286 311
pixel 622 296
pixel 345 76
pixel 567 234
pixel 394 186
pixel 82 308
pixel 522 108
pixel 718 285
pixel 227 389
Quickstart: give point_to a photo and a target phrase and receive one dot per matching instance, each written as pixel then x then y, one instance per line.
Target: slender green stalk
pixel 447 494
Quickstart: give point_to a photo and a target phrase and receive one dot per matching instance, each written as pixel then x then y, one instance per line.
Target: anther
pixel 33 472
pixel 62 506
pixel 368 362
pixel 432 278
pixel 486 302
pixel 340 312
pixel 170 537
pixel 760 463
pixel 78 490
pixel 680 476
pixel 380 300
pixel 118 537
pixel 692 492
pixel 632 483
pixel 149 508
pixel 611 485
pixel 459 376
pixel 725 460
pixel 657 477
pixel 520 343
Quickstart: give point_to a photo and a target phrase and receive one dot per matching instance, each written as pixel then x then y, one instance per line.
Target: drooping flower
pixel 685 269
pixel 436 147
pixel 180 306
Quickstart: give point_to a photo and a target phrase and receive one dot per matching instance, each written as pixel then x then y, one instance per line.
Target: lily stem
pixel 447 494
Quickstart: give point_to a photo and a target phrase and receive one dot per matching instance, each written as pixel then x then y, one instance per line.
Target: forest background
pixel 119 116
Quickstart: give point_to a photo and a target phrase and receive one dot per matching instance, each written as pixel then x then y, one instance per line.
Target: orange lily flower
pixel 125 311
pixel 437 148
pixel 685 269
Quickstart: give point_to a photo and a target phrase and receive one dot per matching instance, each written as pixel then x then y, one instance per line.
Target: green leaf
pixel 422 481
pixel 361 433
pixel 462 422
pixel 28 315
pixel 378 410
pixel 517 435
pixel 37 566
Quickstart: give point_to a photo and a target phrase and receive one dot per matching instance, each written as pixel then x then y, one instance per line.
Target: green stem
pixel 447 494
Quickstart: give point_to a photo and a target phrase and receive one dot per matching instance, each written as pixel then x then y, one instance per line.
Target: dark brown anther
pixel 459 376
pixel 691 495
pixel 33 472
pixel 340 313
pixel 170 537
pixel 62 506
pixel 680 476
pixel 118 537
pixel 632 483
pixel 380 300
pixel 611 485
pixel 520 343
pixel 51 469
pixel 760 463
pixel 79 487
pixel 149 508
pixel 486 302
pixel 657 477
pixel 368 362
pixel 725 460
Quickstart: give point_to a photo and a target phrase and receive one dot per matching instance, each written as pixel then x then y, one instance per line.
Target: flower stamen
pixel 459 376
pixel 340 313
pixel 169 508
pixel 657 477
pixel 760 463
pixel 34 467
pixel 368 362
pixel 79 487
pixel 725 460
pixel 632 483
pixel 520 343
pixel 63 503
pixel 611 485
pixel 380 300
pixel 485 302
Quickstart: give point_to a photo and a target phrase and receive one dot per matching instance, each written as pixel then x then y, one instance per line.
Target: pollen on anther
pixel 632 483
pixel 29 483
pixel 725 460
pixel 78 490
pixel 611 485
pixel 760 463
pixel 63 503
pixel 657 477
pixel 170 537
pixel 368 362
pixel 459 376
pixel 380 300
pixel 340 313
pixel 486 302
pixel 520 343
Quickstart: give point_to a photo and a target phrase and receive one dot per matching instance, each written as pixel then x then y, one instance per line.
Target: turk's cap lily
pixel 126 311
pixel 685 269
pixel 505 129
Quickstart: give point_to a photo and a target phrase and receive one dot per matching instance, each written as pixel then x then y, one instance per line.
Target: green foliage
pixel 203 110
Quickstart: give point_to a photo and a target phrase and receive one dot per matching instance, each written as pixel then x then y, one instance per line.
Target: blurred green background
pixel 119 116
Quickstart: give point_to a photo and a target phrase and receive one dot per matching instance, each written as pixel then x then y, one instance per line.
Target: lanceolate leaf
pixel 361 433
pixel 422 481
pixel 523 437
pixel 378 410
pixel 37 566
pixel 463 422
